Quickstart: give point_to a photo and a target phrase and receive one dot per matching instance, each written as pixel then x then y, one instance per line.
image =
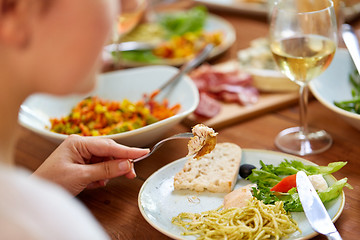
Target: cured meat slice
pixel 230 93
pixel 206 77
pixel 208 107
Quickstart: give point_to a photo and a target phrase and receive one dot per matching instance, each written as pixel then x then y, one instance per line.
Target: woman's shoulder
pixel 38 209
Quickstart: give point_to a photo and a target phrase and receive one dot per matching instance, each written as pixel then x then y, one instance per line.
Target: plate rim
pixel 254 8
pixel 329 105
pixel 169 234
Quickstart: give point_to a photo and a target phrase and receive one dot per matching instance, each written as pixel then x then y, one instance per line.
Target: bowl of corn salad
pixel 125 106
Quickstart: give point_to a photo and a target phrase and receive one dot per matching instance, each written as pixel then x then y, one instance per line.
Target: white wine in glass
pixel 303 40
pixel 131 13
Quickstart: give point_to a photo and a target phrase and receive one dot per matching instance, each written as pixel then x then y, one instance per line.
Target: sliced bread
pixel 214 172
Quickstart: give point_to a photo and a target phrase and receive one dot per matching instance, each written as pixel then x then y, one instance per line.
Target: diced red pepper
pixel 285 184
pixel 154 93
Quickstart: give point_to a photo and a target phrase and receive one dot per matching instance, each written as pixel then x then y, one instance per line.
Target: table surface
pixel 116 205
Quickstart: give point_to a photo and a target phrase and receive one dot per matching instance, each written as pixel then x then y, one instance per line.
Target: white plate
pixel 334 85
pixel 159 203
pixel 213 23
pixel 254 8
pixel 128 84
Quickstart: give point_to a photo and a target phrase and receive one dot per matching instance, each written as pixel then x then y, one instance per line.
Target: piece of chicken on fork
pixel 203 142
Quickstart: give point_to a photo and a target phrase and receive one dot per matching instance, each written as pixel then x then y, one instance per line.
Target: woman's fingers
pixel 100 159
pixel 132 173
pixel 97 184
pixel 107 170
pixel 88 147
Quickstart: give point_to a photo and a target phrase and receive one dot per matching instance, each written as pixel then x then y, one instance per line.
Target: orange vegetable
pixel 154 93
pixel 285 184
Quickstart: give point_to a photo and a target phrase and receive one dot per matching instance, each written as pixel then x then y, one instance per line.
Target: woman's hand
pixel 81 162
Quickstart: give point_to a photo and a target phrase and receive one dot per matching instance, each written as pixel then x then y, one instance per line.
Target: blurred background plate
pixel 251 7
pixel 118 85
pixel 213 23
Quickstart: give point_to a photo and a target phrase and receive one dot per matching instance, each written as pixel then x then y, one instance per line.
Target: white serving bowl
pixel 130 84
pixel 334 85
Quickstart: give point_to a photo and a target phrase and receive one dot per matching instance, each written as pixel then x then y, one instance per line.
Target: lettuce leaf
pixel 334 190
pixel 292 201
pixel 331 168
pixel 264 194
pixel 179 23
pixel 269 175
pixel 264 178
pixel 145 56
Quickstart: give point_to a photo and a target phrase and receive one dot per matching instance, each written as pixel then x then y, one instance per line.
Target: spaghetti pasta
pixel 255 221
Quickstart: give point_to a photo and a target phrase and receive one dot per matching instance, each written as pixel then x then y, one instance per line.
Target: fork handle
pixel 156 146
pixel 140 158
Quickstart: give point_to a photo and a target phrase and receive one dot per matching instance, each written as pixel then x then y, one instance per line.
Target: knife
pixel 352 44
pixel 314 209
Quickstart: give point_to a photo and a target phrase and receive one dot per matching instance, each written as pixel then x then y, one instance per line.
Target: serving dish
pixel 118 85
pixel 334 85
pixel 255 8
pixel 213 23
pixel 159 203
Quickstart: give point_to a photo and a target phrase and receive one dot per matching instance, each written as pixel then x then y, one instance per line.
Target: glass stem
pixel 303 103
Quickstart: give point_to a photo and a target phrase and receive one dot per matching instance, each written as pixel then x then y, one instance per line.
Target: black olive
pixel 245 170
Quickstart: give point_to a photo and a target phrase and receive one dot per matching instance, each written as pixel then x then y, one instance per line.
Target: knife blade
pixel 314 209
pixel 352 44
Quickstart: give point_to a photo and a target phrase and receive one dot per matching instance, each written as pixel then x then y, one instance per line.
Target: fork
pixel 190 65
pixel 187 67
pixel 156 146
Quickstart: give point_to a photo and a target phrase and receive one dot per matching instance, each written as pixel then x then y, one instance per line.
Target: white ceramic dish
pixel 334 85
pixel 159 203
pixel 213 23
pixel 254 8
pixel 130 84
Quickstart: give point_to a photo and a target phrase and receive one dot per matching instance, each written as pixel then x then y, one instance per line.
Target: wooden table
pixel 116 206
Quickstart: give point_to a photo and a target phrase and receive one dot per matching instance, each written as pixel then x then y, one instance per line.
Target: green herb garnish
pixel 352 105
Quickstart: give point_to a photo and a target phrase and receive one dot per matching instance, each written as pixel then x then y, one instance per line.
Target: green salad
pixel 179 23
pixel 352 105
pixel 269 177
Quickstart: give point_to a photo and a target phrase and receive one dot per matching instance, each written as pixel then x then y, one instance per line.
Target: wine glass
pixel 303 40
pixel 131 13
